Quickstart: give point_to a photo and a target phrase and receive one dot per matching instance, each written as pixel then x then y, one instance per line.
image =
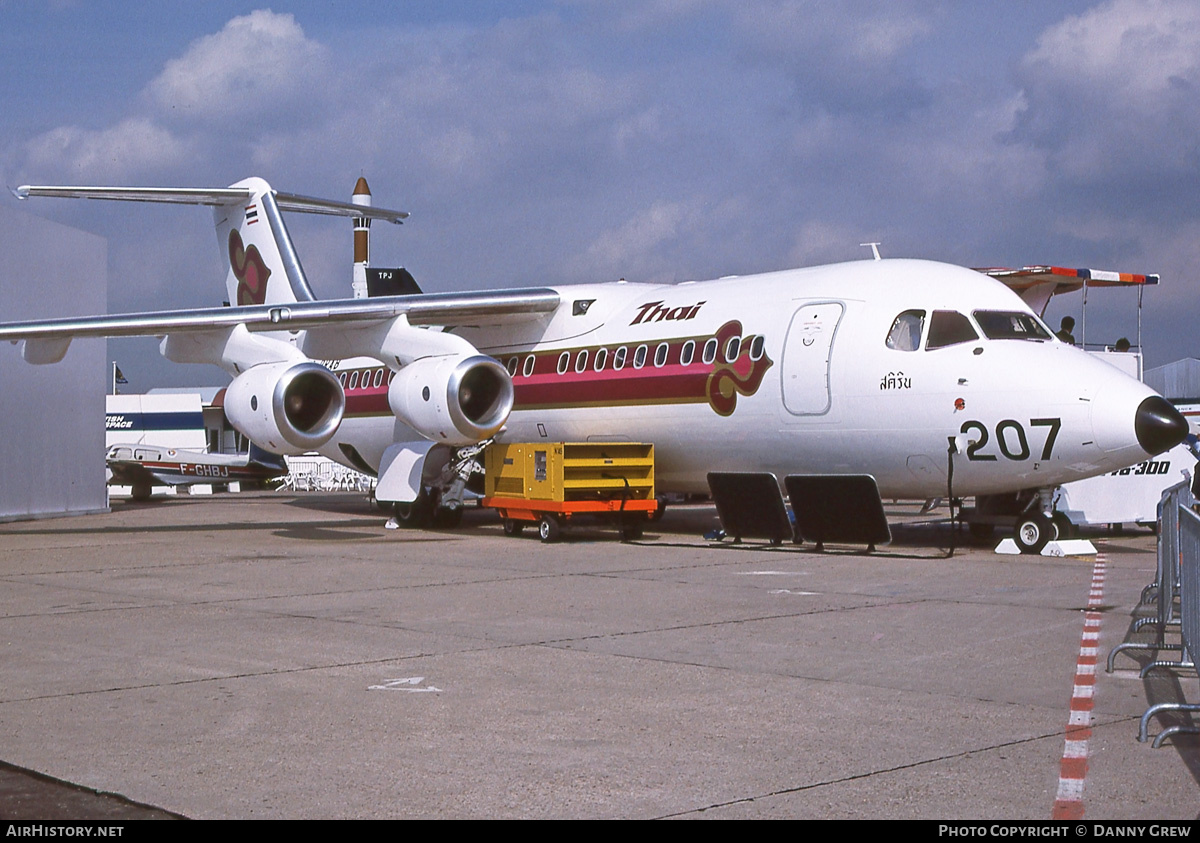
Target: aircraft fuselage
pixel 869 367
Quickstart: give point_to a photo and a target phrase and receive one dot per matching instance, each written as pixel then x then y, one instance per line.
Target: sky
pixel 538 142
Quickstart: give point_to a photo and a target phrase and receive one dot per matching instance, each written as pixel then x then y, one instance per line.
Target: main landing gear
pixel 440 504
pixel 428 511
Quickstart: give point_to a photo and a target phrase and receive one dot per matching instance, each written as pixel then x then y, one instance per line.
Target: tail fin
pixel 262 267
pixel 252 237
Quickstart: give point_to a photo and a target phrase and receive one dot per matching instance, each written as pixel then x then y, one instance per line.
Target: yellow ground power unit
pixel 549 483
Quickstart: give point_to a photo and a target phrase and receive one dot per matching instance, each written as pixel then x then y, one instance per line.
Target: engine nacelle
pixel 454 399
pixel 287 408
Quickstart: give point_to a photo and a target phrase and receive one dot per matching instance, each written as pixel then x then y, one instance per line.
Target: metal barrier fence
pixel 320 474
pixel 1189 609
pixel 1165 587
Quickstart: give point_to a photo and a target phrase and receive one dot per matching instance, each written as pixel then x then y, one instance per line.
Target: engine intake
pixel 455 399
pixel 287 408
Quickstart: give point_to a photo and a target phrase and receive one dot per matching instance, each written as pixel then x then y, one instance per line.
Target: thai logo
pixel 655 312
pixel 249 269
pixel 742 376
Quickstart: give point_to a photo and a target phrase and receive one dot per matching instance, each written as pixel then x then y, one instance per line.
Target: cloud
pixel 644 246
pixel 134 146
pixel 844 57
pixel 258 65
pixel 671 139
pixel 1113 95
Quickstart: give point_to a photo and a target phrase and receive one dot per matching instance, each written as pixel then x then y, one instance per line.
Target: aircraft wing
pixel 131 473
pixel 47 340
pixel 1036 284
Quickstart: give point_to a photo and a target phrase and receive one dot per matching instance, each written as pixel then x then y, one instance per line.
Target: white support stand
pixel 1063 547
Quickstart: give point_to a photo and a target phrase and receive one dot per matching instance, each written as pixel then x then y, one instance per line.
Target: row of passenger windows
pixel 375 378
pixel 620 357
pixel 949 327
pixel 365 378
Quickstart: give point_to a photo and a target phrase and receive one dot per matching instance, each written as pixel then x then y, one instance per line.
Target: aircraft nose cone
pixel 1159 426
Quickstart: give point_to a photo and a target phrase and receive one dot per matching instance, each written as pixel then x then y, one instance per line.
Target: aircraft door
pixel 807 352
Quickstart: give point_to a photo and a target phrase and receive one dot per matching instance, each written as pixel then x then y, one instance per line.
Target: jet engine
pixel 452 399
pixel 287 408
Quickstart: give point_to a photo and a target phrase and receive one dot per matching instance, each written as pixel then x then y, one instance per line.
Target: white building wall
pixel 51 438
pixel 172 420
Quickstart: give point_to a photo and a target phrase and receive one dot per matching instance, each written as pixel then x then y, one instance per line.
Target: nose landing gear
pixel 1034 531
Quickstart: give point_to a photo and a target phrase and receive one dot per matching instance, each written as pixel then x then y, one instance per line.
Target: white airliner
pixel 907 370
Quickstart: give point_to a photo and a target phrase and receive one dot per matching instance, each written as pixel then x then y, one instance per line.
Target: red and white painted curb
pixel 1068 803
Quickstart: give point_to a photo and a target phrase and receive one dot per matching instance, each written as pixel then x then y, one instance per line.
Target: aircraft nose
pixel 1159 426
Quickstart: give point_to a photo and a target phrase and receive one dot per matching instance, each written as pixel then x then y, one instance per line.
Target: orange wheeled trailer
pixel 551 483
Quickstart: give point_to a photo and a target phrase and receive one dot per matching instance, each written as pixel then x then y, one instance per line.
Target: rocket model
pixel 362 240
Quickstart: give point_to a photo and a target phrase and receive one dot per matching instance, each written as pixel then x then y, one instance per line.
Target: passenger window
pixel 905 334
pixel 710 350
pixel 687 353
pixel 581 361
pixel 528 370
pixel 619 358
pixel 757 345
pixel 512 367
pixel 639 357
pixel 732 349
pixel 378 378
pixel 353 380
pixel 601 359
pixel 660 355
pixel 564 360
pixel 949 327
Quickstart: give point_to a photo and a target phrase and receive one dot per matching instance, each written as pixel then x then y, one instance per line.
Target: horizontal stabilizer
pixel 211 196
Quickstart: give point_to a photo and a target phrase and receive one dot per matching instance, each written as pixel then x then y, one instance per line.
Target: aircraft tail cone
pixel 1159 426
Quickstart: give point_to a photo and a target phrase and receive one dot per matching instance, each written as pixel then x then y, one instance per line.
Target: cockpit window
pixel 949 327
pixel 1010 325
pixel 905 334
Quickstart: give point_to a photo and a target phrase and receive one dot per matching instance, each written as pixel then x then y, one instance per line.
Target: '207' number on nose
pixel 1010 439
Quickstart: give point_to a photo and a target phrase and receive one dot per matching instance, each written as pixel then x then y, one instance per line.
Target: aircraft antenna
pixel 874 249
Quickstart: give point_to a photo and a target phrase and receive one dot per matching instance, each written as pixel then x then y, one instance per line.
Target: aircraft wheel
pixel 549 530
pixel 1034 532
pixel 632 532
pixel 415 515
pixel 512 527
pixel 140 492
